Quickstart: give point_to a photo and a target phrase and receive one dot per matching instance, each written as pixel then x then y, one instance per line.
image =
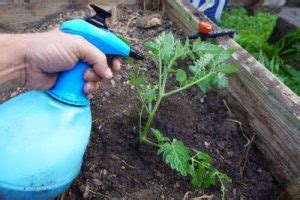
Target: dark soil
pixel 117 166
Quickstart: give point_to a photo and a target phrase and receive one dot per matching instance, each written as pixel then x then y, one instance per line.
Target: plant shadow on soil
pixel 117 166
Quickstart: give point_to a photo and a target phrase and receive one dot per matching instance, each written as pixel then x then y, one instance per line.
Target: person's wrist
pixel 12 60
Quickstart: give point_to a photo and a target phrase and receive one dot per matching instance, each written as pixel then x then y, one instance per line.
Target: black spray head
pixel 100 17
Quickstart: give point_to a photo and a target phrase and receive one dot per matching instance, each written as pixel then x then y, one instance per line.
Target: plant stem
pixel 143 135
pixel 142 101
pixel 151 143
pixel 187 85
pixel 162 85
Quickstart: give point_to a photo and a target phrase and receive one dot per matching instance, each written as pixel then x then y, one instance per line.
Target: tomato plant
pixel 209 69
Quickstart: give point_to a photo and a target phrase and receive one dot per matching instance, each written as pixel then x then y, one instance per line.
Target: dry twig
pixel 241 127
pixel 246 157
pixel 205 196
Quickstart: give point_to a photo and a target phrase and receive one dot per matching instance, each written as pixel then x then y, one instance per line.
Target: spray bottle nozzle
pixel 135 55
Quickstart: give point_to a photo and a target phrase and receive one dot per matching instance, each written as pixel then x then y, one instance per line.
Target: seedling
pixel 208 69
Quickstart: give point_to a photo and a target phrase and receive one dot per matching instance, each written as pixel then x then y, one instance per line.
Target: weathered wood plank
pixel 16 16
pixel 273 110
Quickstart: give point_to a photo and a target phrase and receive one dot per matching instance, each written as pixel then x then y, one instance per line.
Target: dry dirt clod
pixel 86 192
pixel 107 94
pixel 128 67
pixel 96 175
pixel 113 82
pixel 206 144
pixel 221 145
pixel 97 182
pixel 103 172
pixel 149 22
pixel 230 154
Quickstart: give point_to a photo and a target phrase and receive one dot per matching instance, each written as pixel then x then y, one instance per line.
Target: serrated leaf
pixel 223 56
pixel 224 177
pixel 149 94
pixel 204 157
pixel 170 70
pixel 149 45
pixel 198 177
pixel 159 136
pixel 220 80
pixel 176 155
pixel 204 47
pixel 227 68
pixel 203 61
pixel 139 80
pixel 203 176
pixel 180 75
pixel 206 84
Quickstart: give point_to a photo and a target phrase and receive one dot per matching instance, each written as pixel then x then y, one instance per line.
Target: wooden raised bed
pixel 268 107
pixel 263 103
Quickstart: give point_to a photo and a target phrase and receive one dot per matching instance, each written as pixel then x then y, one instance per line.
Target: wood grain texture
pixel 16 16
pixel 272 109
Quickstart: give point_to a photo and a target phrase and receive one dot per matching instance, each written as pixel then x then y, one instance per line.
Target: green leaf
pixel 204 47
pixel 204 157
pixel 220 80
pixel 203 176
pixel 180 75
pixel 159 136
pixel 198 177
pixel 204 60
pixel 224 177
pixel 227 68
pixel 139 80
pixel 149 94
pixel 206 84
pixel 176 155
pixel 149 45
pixel 222 57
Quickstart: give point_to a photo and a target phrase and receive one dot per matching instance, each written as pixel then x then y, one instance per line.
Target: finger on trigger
pixel 89 96
pixel 116 65
pixel 90 54
pixel 91 87
pixel 91 75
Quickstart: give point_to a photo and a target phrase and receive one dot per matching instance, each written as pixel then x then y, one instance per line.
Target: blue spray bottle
pixel 43 135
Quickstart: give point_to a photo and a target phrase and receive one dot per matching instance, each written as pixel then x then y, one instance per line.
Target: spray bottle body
pixel 42 143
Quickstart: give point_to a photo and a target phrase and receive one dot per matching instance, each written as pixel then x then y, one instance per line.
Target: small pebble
pixel 202 100
pixel 86 192
pixel 128 67
pixel 103 172
pixel 97 182
pixel 106 94
pixel 259 170
pixel 14 93
pixel 113 82
pixel 230 154
pixel 234 191
pixel 221 145
pixel 206 144
pixel 122 167
pixel 176 185
pixel 162 196
pixel 95 175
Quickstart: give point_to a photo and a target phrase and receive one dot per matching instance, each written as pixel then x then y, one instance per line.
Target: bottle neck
pixel 69 86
